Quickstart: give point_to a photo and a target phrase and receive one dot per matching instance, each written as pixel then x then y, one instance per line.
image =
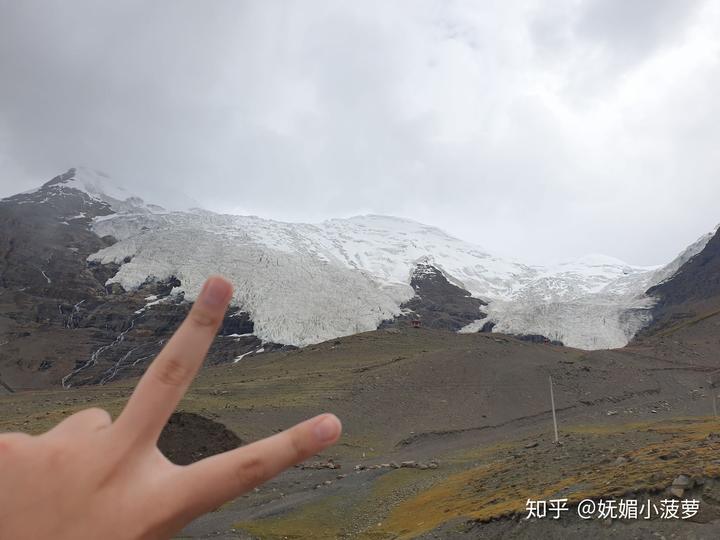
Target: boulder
pixel 683 481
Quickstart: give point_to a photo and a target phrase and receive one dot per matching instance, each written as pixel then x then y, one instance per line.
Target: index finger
pixel 167 379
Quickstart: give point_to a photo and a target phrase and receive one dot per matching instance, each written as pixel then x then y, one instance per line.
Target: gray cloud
pixel 539 130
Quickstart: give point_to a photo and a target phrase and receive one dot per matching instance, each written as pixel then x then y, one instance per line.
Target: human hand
pixel 90 477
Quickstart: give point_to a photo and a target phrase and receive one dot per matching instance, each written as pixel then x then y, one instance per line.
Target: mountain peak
pixel 96 184
pixel 103 188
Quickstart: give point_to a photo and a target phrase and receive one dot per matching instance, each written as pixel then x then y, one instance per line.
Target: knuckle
pixel 203 318
pixel 12 445
pixel 251 472
pixel 7 445
pixel 56 451
pixel 171 371
pixel 299 447
pixel 100 416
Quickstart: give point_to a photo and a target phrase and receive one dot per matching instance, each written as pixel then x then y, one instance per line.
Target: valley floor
pixel 448 435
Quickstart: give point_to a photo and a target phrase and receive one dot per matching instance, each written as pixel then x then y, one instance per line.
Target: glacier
pixel 306 283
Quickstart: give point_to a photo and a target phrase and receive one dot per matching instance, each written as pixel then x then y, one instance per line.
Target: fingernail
pixel 216 292
pixel 327 429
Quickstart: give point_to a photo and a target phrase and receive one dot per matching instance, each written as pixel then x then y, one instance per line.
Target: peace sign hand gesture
pixel 92 478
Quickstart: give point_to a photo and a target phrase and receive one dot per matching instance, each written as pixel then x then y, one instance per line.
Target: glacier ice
pixel 305 283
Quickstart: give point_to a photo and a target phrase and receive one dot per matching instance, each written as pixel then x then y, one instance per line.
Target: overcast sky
pixel 540 130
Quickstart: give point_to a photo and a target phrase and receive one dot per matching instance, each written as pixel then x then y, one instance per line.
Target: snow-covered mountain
pixel 305 283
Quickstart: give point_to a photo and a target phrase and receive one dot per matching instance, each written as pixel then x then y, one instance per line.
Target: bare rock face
pixel 697 280
pixel 438 303
pixel 693 291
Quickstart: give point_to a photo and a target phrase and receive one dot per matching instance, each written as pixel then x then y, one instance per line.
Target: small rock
pixel 422 467
pixel 612 413
pixel 394 465
pixel 531 445
pixel 621 460
pixel 341 476
pixel 327 482
pixel 115 288
pixel 683 481
pixel 407 464
pixel 676 491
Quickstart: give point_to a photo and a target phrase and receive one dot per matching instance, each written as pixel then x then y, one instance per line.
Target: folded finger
pixel 87 420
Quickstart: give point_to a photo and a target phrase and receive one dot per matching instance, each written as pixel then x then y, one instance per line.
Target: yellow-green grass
pixel 502 486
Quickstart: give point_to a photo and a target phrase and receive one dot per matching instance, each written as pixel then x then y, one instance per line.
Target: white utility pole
pixel 552 402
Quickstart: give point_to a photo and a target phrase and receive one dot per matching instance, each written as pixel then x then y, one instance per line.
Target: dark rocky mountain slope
pixel 59 323
pixel 691 293
pixel 438 303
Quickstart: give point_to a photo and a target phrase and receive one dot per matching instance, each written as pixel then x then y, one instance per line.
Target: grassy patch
pixel 502 486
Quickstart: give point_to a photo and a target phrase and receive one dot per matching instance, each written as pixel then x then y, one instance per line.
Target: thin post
pixel 552 402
